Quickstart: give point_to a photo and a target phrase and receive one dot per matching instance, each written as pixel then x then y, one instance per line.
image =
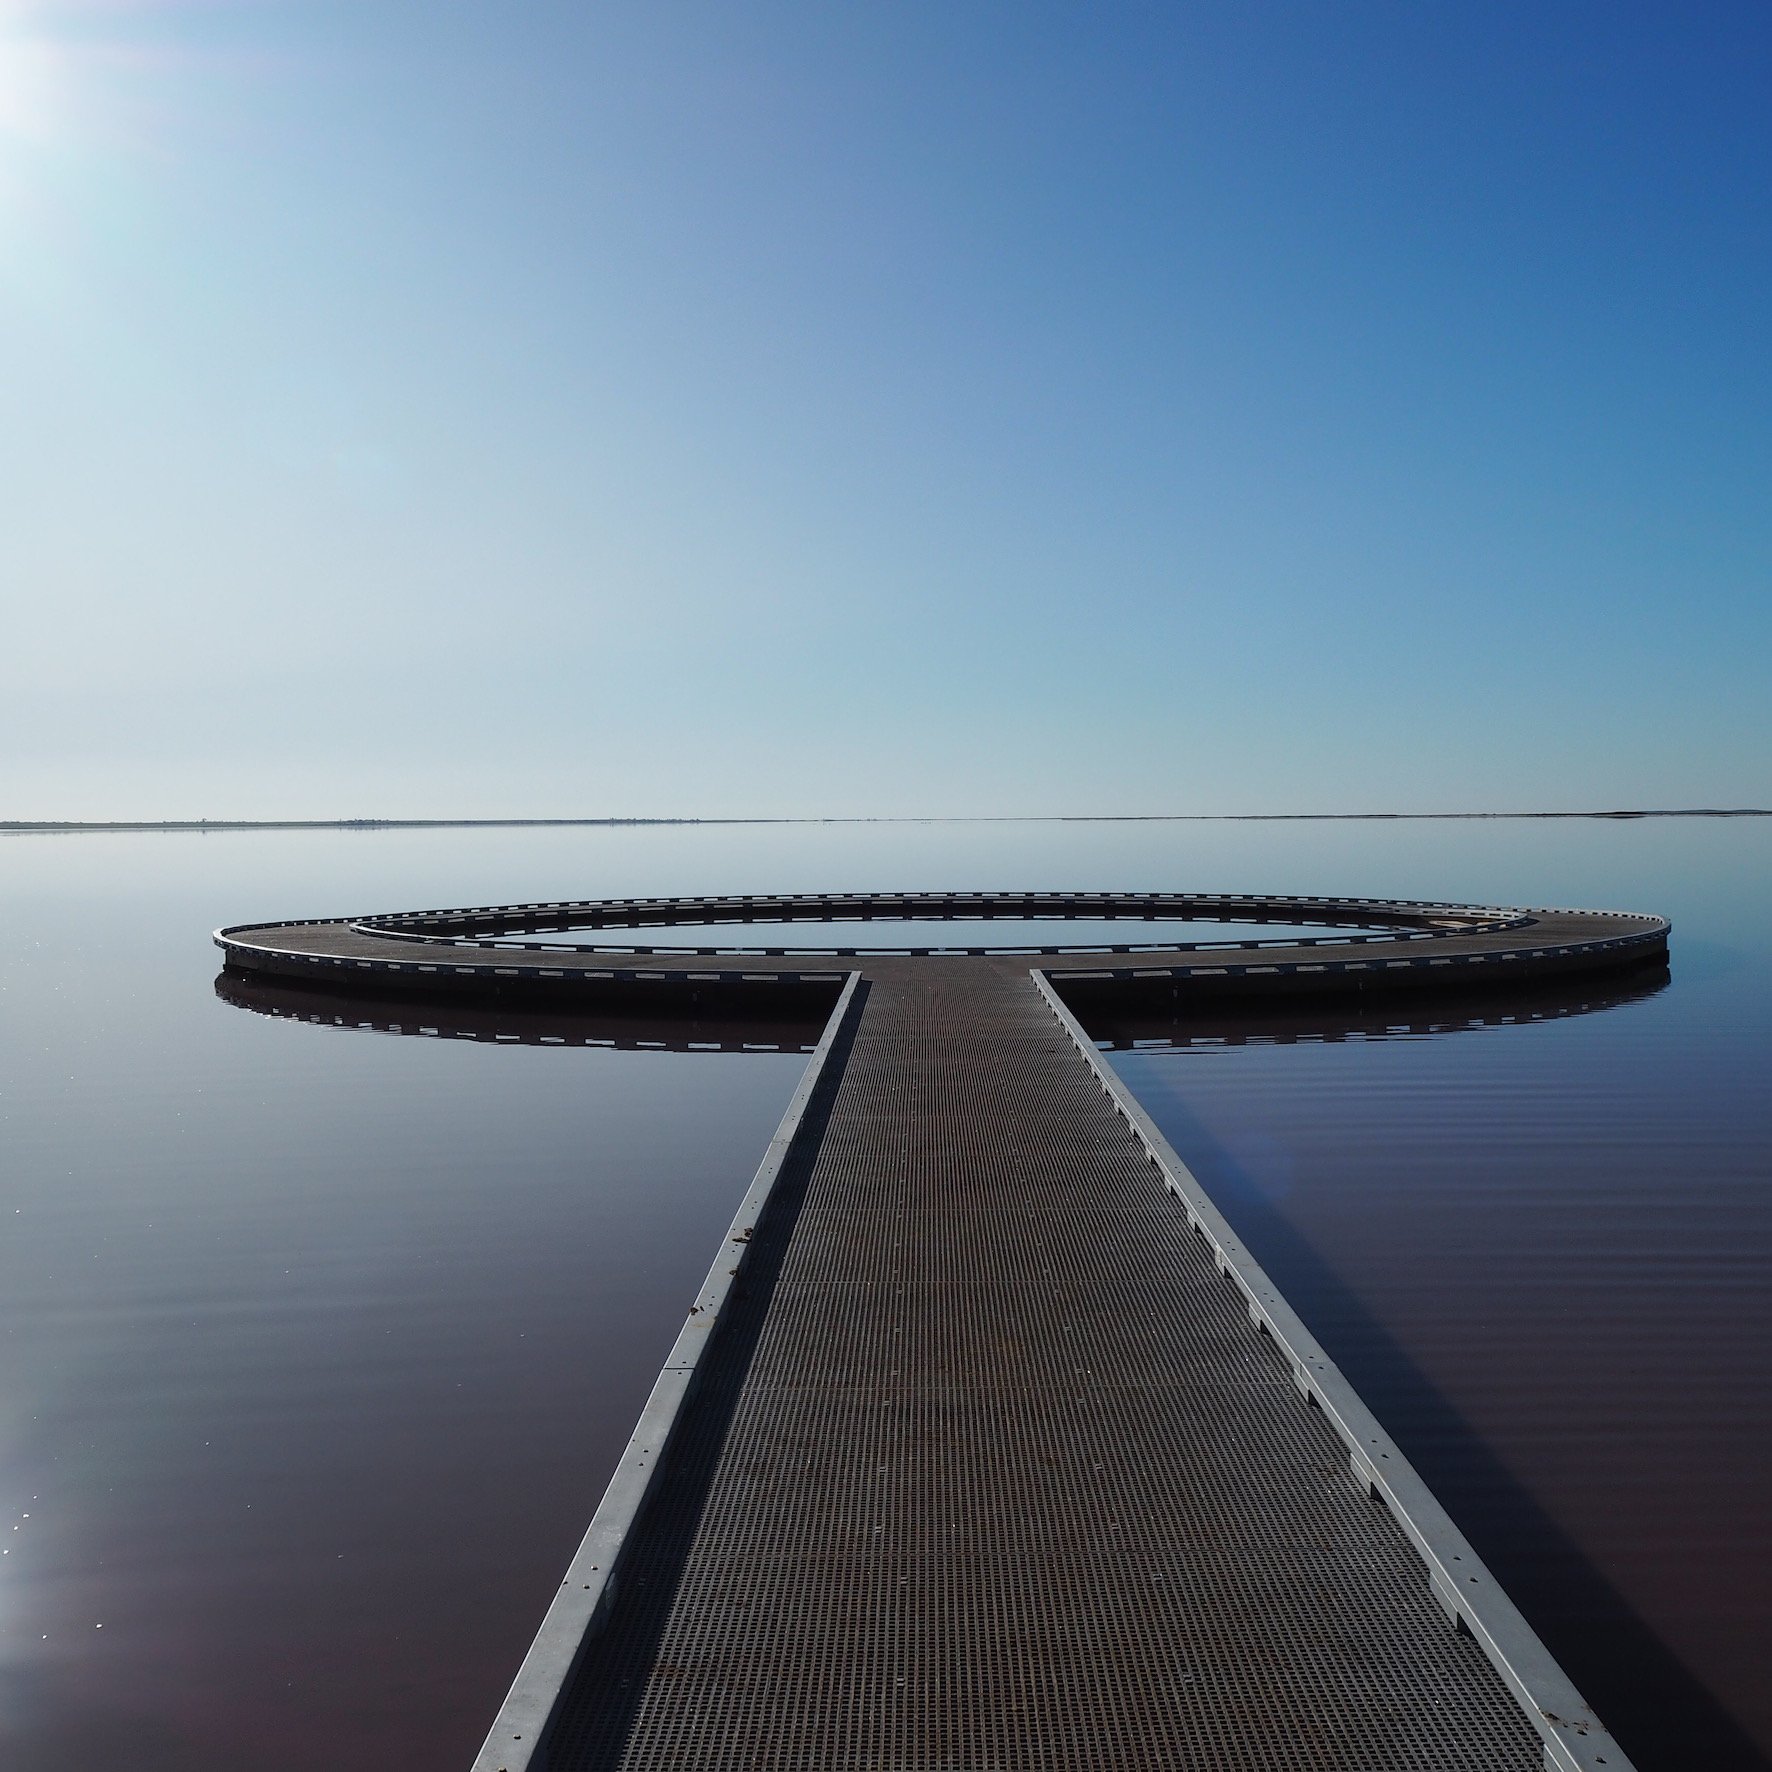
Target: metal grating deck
pixel 987 1469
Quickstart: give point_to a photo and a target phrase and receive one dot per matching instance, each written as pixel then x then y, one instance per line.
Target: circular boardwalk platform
pixel 515 951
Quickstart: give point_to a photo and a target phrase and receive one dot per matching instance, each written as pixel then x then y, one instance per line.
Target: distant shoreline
pixel 50 827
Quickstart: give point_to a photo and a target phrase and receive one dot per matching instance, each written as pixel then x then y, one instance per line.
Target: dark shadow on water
pixel 741 1024
pixel 735 1029
pixel 1286 1022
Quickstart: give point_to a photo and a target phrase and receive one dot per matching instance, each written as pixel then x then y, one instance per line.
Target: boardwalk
pixel 975 1455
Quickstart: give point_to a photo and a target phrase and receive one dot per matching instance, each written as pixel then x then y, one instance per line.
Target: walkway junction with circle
pixel 987 1443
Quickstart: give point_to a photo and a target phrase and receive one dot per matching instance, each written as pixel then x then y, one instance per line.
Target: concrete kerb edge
pixel 1574 1738
pixel 517 1741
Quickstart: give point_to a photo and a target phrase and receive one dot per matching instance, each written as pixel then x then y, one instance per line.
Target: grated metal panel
pixel 988 1470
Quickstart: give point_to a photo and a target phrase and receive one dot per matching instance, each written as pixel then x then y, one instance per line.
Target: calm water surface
pixel 317 1345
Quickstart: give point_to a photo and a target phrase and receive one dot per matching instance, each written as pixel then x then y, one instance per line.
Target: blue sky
pixel 806 409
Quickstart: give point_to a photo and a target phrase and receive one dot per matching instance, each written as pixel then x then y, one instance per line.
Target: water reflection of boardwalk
pixel 987 1445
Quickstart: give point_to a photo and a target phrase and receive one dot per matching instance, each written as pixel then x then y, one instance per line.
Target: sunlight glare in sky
pixel 32 78
pixel 87 87
pixel 79 74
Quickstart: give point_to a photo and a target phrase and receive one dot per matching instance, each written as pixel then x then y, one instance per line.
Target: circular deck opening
pixel 1006 934
pixel 944 923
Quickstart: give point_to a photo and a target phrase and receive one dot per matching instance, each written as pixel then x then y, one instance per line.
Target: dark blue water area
pixel 318 1342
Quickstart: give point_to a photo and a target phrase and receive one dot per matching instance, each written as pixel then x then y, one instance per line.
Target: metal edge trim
pixel 516 1741
pixel 1574 1738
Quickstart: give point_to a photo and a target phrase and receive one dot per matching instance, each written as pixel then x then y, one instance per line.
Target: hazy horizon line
pixel 45 827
